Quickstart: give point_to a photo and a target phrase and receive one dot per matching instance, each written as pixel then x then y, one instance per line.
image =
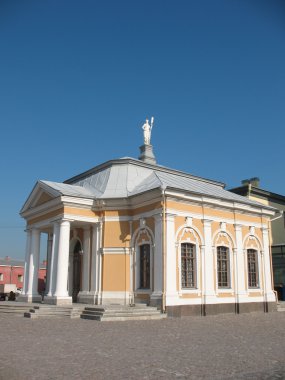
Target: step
pixel 124 318
pixel 112 311
pixel 118 315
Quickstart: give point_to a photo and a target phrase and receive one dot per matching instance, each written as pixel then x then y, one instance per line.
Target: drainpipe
pixel 164 252
pixel 270 252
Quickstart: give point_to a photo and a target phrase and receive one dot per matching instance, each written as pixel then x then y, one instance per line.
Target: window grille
pixel 252 268
pixel 188 266
pixel 223 267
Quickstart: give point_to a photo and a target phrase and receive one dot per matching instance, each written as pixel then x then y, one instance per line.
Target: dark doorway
pixel 144 266
pixel 76 271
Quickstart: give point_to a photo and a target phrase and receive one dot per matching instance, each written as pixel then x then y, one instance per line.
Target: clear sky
pixel 78 79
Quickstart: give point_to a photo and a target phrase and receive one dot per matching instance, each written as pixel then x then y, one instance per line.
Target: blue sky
pixel 78 79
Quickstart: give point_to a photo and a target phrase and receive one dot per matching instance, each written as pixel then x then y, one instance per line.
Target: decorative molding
pixel 116 251
pixel 188 221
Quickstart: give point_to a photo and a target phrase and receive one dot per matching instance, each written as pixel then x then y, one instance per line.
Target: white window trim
pixel 195 290
pixel 228 289
pixel 137 266
pixel 259 273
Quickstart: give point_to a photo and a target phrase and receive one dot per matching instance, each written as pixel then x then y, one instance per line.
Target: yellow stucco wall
pixel 116 234
pixel 116 273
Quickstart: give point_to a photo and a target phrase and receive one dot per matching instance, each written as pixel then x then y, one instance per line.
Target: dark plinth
pixel 147 154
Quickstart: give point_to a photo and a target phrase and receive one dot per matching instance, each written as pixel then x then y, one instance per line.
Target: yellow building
pixel 131 231
pixel 251 189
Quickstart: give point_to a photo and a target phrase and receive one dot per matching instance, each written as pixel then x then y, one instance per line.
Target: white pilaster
pixel 239 264
pixel 83 295
pixel 171 286
pixel 269 295
pixel 61 295
pixel 86 259
pixel 208 264
pixel 157 260
pixel 95 259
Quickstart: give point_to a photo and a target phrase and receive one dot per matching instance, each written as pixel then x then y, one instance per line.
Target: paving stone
pixel 248 346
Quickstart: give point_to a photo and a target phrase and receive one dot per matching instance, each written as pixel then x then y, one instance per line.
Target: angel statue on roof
pixel 147 131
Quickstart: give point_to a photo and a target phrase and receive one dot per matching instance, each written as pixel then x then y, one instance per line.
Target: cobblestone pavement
pixel 248 346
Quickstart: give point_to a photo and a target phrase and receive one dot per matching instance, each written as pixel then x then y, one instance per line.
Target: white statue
pixel 147 131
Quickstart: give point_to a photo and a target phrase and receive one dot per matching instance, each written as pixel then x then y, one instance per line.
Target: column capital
pixel 264 229
pixel 238 226
pixel 157 217
pixel 169 216
pixel 207 222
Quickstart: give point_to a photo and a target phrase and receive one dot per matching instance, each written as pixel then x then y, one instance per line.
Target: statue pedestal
pixel 147 154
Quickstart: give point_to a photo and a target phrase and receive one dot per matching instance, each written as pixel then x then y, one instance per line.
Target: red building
pixel 12 272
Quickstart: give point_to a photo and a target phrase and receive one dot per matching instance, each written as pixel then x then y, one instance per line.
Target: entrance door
pixel 76 271
pixel 144 282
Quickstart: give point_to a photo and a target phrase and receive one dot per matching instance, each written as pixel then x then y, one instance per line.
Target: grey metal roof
pixel 71 190
pixel 128 177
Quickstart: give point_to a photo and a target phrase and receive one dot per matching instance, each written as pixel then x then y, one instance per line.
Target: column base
pixel 156 299
pixel 55 300
pixel 29 298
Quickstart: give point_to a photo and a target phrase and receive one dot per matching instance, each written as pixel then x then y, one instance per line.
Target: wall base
pixel 214 309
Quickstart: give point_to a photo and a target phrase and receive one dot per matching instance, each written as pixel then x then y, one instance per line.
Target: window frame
pixel 193 265
pixel 228 267
pixel 256 263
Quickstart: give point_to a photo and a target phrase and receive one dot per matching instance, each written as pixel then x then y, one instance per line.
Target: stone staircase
pixel 14 308
pixel 121 313
pixel 53 311
pixel 92 312
pixel 281 306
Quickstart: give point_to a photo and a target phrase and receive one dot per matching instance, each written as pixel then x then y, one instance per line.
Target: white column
pixel 32 289
pixel 27 259
pixel 48 259
pixel 61 294
pixel 157 261
pixel 53 260
pixel 239 264
pixel 171 286
pixel 208 267
pixel 269 295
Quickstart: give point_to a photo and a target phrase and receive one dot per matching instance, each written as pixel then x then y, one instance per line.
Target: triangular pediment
pixel 43 198
pixel 40 195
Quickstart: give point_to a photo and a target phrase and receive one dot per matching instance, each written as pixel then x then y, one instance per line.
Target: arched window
pixel 252 268
pixel 223 267
pixel 144 281
pixel 188 266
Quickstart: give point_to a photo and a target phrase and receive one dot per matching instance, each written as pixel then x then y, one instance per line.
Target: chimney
pixel 254 181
